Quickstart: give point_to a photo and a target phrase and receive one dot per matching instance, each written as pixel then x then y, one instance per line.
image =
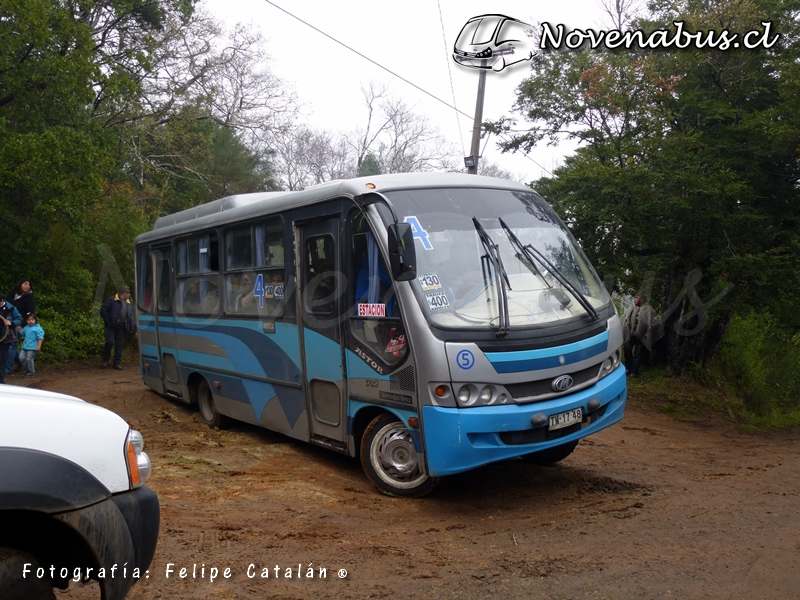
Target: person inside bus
pixel 244 297
pixel 195 301
pixel 277 284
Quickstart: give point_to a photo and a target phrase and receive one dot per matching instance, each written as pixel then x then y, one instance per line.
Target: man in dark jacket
pixel 641 329
pixel 117 314
pixel 10 319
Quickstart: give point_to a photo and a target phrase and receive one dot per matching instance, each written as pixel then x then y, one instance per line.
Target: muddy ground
pixel 650 508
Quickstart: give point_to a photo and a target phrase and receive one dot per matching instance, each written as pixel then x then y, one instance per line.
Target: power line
pixel 450 74
pixel 377 64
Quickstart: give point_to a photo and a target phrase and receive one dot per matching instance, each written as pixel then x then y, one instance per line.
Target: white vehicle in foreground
pixel 73 504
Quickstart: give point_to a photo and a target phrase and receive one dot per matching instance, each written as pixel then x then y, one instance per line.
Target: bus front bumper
pixel 459 439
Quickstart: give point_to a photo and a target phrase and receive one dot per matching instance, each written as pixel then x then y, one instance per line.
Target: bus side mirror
pixel 402 254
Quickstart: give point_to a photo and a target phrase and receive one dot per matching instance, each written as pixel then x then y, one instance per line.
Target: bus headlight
pixel 608 366
pixel 486 395
pixel 464 395
pixel 481 394
pixel 611 363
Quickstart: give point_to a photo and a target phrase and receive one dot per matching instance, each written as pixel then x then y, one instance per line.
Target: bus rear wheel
pixel 390 460
pixel 205 403
pixel 552 455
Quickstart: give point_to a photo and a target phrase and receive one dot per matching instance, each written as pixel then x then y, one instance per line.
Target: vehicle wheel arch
pixel 193 384
pixel 199 386
pixel 390 458
pixel 49 539
pixel 364 417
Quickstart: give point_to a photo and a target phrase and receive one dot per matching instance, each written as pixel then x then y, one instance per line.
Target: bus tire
pixel 390 460
pixel 552 455
pixel 208 410
pixel 12 584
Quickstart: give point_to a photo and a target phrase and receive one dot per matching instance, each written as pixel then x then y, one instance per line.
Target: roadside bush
pixel 759 362
pixel 69 335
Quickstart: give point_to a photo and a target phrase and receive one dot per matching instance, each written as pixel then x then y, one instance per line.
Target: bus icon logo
pixel 465 359
pixel 493 42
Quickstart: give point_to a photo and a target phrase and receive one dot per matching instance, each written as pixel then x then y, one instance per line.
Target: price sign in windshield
pixel 437 301
pixel 429 281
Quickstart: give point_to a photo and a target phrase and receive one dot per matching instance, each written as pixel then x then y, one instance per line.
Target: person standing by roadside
pixel 32 336
pixel 10 319
pixel 25 302
pixel 117 314
pixel 641 329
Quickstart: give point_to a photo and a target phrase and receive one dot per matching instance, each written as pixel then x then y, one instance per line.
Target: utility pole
pixel 476 126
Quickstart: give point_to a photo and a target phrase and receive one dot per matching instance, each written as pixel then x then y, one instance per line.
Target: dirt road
pixel 651 508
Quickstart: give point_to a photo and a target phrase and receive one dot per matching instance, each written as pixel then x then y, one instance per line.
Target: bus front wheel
pixel 552 455
pixel 205 402
pixel 390 460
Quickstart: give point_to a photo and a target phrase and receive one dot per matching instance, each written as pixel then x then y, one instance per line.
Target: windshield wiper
pixel 492 257
pixel 532 253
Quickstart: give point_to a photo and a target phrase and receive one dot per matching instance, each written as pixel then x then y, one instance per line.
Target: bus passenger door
pixel 320 290
pixel 164 322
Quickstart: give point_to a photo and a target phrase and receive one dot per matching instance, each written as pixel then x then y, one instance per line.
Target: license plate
pixel 566 419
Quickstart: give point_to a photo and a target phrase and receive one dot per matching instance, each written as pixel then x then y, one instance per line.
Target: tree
pixel 399 139
pixel 491 169
pixel 306 156
pixel 113 112
pixel 687 169
pixel 369 166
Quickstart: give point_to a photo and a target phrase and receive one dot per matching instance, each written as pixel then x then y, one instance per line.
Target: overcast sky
pixel 414 39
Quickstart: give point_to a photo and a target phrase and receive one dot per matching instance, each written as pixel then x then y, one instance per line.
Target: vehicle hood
pixel 88 435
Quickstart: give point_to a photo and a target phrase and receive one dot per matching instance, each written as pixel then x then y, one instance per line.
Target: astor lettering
pixel 368 360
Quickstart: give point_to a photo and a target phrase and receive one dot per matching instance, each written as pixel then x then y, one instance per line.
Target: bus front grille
pixel 529 390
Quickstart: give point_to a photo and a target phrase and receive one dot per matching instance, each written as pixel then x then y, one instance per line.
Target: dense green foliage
pixel 752 363
pixel 685 185
pixel 110 116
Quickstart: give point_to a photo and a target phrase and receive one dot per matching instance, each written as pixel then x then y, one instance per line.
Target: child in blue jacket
pixel 32 336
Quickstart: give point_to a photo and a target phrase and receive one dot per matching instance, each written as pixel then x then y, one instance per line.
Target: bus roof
pixel 242 206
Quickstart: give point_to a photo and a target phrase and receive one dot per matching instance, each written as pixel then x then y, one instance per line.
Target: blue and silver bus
pixel 425 323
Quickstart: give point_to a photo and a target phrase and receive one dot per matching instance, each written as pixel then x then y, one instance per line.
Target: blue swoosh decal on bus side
pixel 249 351
pixel 323 357
pixel 265 355
pixel 546 358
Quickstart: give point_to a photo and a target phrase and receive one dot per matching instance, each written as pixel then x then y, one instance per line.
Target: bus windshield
pixel 457 281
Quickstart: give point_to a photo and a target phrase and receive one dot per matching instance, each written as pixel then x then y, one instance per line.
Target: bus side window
pixel 198 266
pixel 269 243
pixel 375 319
pixel 164 281
pixel 145 272
pixel 254 272
pixel 322 285
pixel 373 282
